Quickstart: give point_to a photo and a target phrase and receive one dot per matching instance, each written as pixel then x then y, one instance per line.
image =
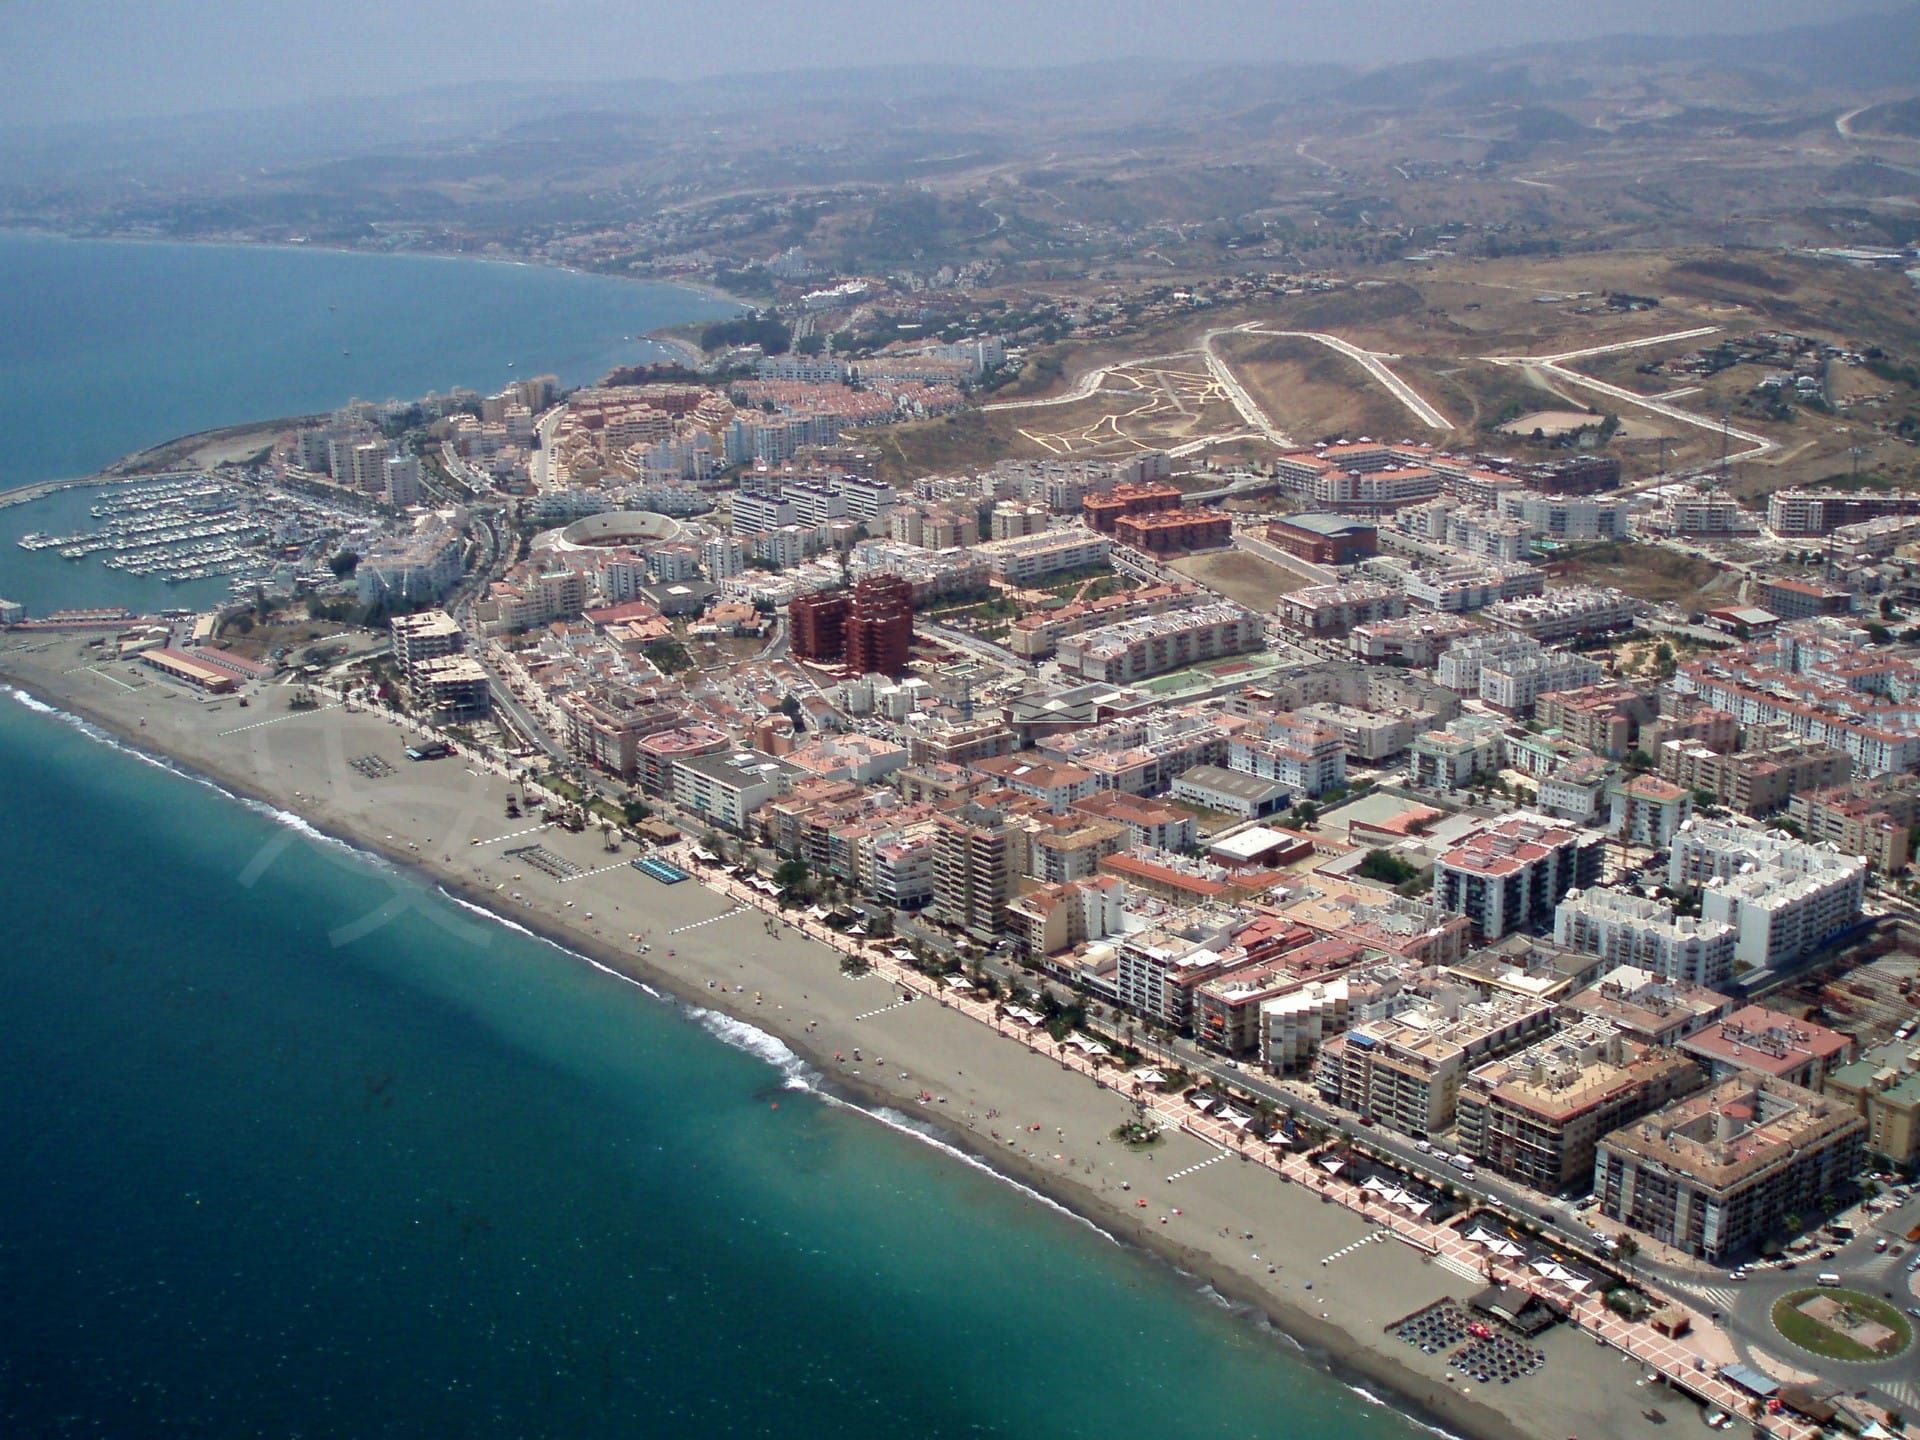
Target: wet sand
pixel 1020 1111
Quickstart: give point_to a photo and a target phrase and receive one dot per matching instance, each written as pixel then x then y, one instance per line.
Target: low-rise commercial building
pixel 1325 539
pixel 1646 1006
pixel 1756 1038
pixel 1231 792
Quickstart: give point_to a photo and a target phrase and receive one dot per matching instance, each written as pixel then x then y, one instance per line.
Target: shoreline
pixel 700 287
pixel 1363 1362
pixel 117 471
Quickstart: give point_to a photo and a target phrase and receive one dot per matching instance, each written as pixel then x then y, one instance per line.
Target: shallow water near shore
pixel 299 1145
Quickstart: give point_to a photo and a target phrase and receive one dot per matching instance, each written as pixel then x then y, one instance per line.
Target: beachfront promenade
pixel 1690 1367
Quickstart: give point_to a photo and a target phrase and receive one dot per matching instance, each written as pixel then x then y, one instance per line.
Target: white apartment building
pixel 1630 930
pixel 1783 898
pixel 1564 614
pixel 1023 559
pixel 728 787
pixel 1567 517
pixel 754 514
pixel 723 557
pixel 1307 757
pixel 1512 671
pixel 1154 644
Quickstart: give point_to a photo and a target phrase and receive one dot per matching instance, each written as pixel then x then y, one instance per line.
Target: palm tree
pixel 1625 1248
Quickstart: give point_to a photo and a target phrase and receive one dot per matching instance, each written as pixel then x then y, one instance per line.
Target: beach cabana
pixel 1560 1274
pixel 1496 1242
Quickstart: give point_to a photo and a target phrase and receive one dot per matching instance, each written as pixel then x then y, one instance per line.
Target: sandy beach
pixel 1323 1275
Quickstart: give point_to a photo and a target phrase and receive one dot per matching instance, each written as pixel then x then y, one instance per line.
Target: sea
pixel 108 346
pixel 297 1145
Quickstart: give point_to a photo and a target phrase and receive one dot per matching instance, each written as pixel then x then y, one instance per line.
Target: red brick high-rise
pixel 880 626
pixel 817 625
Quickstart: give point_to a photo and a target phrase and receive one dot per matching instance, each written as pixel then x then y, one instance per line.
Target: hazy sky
pixel 70 59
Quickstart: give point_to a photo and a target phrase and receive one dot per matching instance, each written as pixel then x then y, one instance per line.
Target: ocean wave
pixel 1372 1399
pixel 795 1073
pixel 505 921
pixel 917 1129
pixel 300 826
pixel 285 818
pixel 33 702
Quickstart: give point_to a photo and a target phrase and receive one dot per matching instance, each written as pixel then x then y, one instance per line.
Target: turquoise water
pixel 446 1180
pixel 106 346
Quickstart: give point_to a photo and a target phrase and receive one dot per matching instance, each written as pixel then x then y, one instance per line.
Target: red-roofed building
pixel 1756 1038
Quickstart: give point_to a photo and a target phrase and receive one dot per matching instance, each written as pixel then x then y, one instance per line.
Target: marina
pixel 189 526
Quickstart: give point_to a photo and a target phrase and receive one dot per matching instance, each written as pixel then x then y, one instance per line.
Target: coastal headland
pixel 1328 1278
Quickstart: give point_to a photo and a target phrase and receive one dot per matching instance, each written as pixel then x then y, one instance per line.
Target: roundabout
pixel 1840 1324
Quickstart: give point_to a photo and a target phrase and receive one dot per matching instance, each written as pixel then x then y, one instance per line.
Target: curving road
pixel 1557 367
pixel 1374 363
pixel 1223 375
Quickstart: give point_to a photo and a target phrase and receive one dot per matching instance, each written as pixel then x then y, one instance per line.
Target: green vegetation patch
pixel 1842 1324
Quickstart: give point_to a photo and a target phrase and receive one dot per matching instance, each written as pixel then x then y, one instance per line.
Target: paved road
pixel 1745 1310
pixel 1244 402
pixel 1085 386
pixel 1374 363
pixel 1555 365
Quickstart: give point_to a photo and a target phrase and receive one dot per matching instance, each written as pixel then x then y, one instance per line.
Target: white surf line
pixel 603 870
pixel 1213 1159
pixel 696 924
pixel 280 719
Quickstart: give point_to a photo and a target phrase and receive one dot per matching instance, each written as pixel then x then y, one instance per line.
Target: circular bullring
pixel 617 529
